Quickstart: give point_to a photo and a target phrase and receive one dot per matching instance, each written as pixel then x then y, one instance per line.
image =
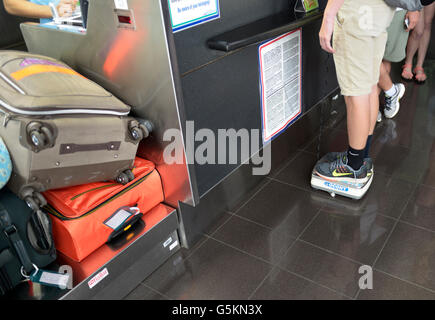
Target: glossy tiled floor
pixel 286 241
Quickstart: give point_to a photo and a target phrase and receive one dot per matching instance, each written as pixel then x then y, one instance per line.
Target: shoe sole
pixel 401 94
pixel 347 180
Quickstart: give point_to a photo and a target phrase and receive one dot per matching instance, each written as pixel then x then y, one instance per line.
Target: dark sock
pixel 355 158
pixel 368 144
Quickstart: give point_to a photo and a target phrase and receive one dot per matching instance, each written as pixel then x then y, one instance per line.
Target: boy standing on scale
pixel 360 36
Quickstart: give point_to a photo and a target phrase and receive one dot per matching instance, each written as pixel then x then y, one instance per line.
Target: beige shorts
pixel 359 41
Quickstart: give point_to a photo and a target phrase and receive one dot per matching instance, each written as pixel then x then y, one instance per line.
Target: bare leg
pixel 374 109
pixel 385 82
pixel 358 120
pixel 414 39
pixel 425 39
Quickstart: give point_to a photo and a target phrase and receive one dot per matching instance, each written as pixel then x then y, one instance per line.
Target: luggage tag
pixel 122 220
pixel 48 278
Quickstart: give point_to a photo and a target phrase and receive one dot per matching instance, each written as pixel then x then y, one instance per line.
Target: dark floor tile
pixel 281 285
pixel 410 255
pixel 399 162
pixel 421 208
pixel 358 237
pixel 282 206
pixel 413 135
pixel 262 242
pixel 386 287
pixel 243 200
pixel 416 105
pixel 214 271
pixel 141 292
pixel 298 171
pixel 220 221
pixel 323 267
pixel 387 195
pixel 428 178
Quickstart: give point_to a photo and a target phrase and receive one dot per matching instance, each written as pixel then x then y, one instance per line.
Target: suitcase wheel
pixel 136 133
pixel 129 174
pixel 125 177
pixel 122 178
pixel 140 129
pixel 34 199
pixel 144 130
pixel 37 139
pixel 40 136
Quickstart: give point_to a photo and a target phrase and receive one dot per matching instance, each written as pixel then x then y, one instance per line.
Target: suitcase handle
pixel 68 148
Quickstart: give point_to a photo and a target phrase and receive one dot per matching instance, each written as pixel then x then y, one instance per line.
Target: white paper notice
pixel 280 73
pixel 188 13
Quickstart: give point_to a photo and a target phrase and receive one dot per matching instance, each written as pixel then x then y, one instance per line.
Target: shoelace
pixel 388 102
pixel 389 99
pixel 339 162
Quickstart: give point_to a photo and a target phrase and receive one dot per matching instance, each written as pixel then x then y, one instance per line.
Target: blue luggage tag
pixel 5 164
pixel 49 278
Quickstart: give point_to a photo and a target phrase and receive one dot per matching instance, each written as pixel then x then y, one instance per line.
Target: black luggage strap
pixel 15 241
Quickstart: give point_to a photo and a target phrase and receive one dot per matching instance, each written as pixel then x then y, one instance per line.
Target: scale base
pixel 342 189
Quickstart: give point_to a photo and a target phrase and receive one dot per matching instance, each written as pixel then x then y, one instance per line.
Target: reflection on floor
pixel 286 241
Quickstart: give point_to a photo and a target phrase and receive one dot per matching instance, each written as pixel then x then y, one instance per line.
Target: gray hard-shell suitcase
pixel 60 128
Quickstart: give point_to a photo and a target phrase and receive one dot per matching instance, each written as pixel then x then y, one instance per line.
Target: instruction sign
pixel 188 13
pixel 280 83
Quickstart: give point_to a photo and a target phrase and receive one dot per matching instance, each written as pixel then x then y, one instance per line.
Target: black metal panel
pixel 223 95
pixel 318 69
pixel 262 30
pixel 191 44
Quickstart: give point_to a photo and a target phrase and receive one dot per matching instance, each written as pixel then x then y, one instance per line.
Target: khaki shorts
pixel 395 50
pixel 359 41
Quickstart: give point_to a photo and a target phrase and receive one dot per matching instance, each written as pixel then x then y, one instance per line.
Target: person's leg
pixel 359 125
pixel 358 120
pixel 412 47
pixel 374 109
pixel 385 82
pixel 424 41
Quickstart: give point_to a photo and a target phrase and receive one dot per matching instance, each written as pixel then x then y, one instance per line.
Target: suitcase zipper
pixel 93 189
pixel 11 83
pixel 59 112
pixel 53 211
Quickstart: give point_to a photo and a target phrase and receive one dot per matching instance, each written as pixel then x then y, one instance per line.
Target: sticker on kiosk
pixel 280 83
pixel 189 13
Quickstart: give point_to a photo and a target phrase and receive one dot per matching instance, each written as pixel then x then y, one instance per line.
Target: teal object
pixel 5 164
pixel 45 3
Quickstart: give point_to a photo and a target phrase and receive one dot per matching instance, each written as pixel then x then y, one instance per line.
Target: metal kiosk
pixel 179 72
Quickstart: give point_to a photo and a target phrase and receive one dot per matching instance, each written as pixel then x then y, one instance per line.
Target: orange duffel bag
pixel 85 217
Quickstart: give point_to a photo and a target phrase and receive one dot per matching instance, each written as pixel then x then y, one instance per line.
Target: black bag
pixel 25 241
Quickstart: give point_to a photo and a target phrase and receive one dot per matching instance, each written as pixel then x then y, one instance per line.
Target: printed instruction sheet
pixel 280 82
